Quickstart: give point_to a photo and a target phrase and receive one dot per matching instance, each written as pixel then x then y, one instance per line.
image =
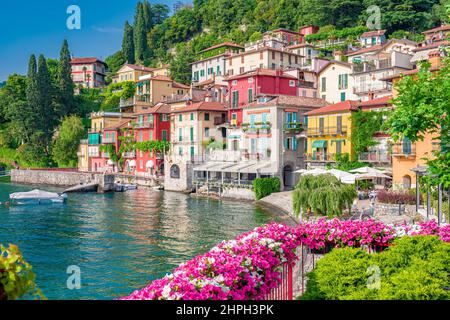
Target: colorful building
pixel 244 88
pixel 131 72
pixel 329 131
pixel 88 72
pixel 151 125
pixel 372 38
pixel 335 82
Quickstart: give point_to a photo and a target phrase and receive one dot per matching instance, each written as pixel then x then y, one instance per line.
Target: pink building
pixel 88 72
pixel 245 87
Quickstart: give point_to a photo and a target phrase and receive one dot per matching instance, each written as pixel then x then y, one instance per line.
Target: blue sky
pixel 39 26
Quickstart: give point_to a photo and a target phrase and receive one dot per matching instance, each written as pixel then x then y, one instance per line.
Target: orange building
pixel 407 155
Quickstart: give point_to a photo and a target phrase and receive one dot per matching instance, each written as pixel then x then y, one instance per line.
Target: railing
pixel 327 131
pixel 256 156
pixel 142 125
pixel 371 87
pixel 372 65
pixel 5 173
pixel 93 154
pixel 329 157
pixel 284 291
pixel 402 150
pixel 293 127
pixel 109 140
pixel 375 156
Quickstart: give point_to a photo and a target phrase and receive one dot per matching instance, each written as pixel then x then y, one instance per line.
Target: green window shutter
pixel 342 96
pixel 151 135
pixel 294 144
pixel 192 116
pixel 250 95
pixel 141 137
pixel 180 134
pixel 164 135
pixel 192 133
pixel 180 117
pixel 206 116
pixel 113 137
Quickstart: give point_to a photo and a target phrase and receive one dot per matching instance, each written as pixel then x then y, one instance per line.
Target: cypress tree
pixel 65 82
pixel 140 34
pixel 128 44
pixel 45 113
pixel 147 12
pixel 32 94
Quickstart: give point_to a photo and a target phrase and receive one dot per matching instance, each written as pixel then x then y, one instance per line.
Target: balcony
pixel 144 125
pixel 341 130
pixel 366 87
pixel 328 157
pixel 376 156
pixel 405 150
pixel 109 140
pixel 372 65
pixel 258 127
pixel 293 127
pixel 128 155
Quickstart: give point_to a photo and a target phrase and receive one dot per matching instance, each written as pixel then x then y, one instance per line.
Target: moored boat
pixel 37 197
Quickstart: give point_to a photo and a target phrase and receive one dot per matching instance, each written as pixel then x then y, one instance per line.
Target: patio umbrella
pixel 373 175
pixel 313 172
pixel 366 170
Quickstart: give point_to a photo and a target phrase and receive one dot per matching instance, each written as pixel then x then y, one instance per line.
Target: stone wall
pixel 238 193
pixel 56 178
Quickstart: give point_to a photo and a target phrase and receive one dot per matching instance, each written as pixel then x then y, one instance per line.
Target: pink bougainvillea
pixel 248 267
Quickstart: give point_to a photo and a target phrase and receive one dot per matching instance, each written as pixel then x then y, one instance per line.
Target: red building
pixel 245 87
pixel 152 124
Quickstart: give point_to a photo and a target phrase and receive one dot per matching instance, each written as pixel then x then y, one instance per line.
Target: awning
pixel 319 144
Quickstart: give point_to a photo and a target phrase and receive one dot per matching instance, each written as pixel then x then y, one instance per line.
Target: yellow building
pixel 131 72
pixel 329 131
pixel 83 156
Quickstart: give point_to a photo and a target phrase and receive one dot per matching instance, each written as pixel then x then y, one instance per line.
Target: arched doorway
pixel 175 172
pixel 288 176
pixel 406 182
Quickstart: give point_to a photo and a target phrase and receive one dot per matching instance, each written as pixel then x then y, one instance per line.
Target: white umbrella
pixel 150 164
pixel 110 162
pixel 338 173
pixel 367 176
pixel 349 179
pixel 313 172
pixel 366 170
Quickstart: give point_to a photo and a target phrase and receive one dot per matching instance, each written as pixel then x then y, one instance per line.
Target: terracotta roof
pixel 180 85
pixel 139 68
pixel 206 82
pixel 117 125
pixel 203 106
pixel 283 30
pixel 383 101
pixel 365 50
pixel 432 46
pixel 300 45
pixel 345 64
pixel 158 108
pixel 348 105
pixel 161 78
pixel 223 44
pixel 373 33
pixel 437 29
pixel 85 61
pixel 262 72
pixel 262 49
pixel 290 101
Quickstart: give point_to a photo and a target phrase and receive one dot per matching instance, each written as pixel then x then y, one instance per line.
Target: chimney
pixel 434 58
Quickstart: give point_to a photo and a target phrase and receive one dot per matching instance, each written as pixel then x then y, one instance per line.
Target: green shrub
pixel 265 186
pixel 16 277
pixel 413 268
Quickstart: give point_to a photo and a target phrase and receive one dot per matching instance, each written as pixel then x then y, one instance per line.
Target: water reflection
pixel 120 241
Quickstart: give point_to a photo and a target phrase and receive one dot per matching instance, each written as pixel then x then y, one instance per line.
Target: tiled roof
pixel 290 101
pixel 139 68
pixel 365 50
pixel 300 45
pixel 161 78
pixel 383 101
pixel 85 60
pixel 203 106
pixel 373 33
pixel 117 125
pixel 437 29
pixel 432 46
pixel 180 85
pixel 283 30
pixel 263 49
pixel 205 83
pixel 223 44
pixel 348 105
pixel 262 72
pixel 158 108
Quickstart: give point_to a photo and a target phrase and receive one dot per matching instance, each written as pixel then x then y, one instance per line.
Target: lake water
pixel 120 241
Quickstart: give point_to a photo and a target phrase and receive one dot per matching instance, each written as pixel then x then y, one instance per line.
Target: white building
pixel 335 82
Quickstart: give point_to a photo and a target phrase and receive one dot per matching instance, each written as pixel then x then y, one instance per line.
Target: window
pixel 273 54
pixel 250 80
pixel 235 99
pixel 241 70
pixel 407 146
pixel 343 81
pixel 234 82
pixel 192 116
pixel 304 93
pixel 338 147
pixel 264 118
pixel 141 119
pixel 202 73
pixel 191 133
pixel 195 76
pixel 180 134
pixel 339 124
pixel 113 137
pixel 206 116
pixel 218 70
pixel 323 84
pixel 192 150
pixel 164 117
pixel 151 118
pixel 273 66
pixel 141 136
pixel 342 96
pixel 291 83
pixel 180 117
pixel 324 97
pixel 164 135
pixel 252 120
pixel 180 151
pixel 250 95
pixel 206 132
pixel 314 94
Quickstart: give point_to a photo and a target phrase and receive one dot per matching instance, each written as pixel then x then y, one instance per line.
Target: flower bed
pixel 248 267
pixel 243 269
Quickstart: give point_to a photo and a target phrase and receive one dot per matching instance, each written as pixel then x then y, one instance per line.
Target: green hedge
pixel 265 186
pixel 413 268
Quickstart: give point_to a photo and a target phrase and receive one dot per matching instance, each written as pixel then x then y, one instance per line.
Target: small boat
pixel 37 197
pixel 121 187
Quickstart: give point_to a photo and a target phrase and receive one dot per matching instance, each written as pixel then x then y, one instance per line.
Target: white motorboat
pixel 37 197
pixel 121 187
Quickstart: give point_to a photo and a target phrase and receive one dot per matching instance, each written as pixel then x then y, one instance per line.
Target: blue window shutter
pixel 294 117
pixel 294 144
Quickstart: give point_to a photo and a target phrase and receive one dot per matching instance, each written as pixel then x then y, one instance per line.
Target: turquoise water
pixel 120 241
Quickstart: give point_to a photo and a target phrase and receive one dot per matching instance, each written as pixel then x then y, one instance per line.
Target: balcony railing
pixel 380 156
pixel 371 87
pixel 109 140
pixel 93 153
pixel 131 154
pixel 143 125
pixel 328 157
pixel 327 131
pixel 367 66
pixel 404 150
pixel 294 127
